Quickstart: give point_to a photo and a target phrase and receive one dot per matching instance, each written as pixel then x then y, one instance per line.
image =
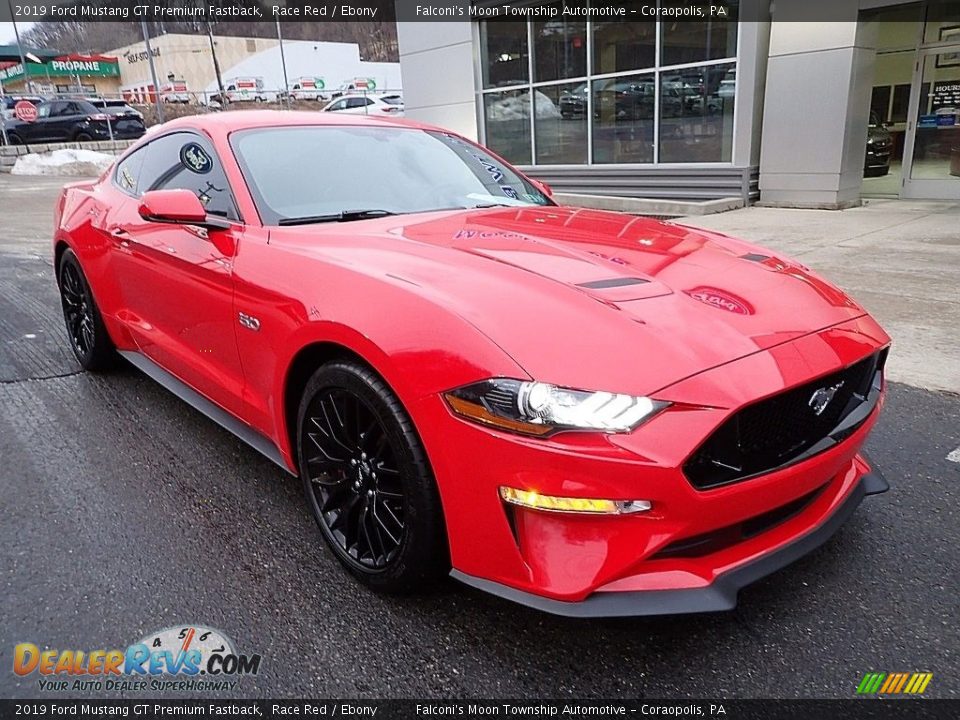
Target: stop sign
pixel 25 111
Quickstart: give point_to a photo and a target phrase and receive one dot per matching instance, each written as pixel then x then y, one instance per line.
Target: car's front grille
pixel 788 427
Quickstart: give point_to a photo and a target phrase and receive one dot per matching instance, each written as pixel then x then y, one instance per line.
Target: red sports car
pixel 587 412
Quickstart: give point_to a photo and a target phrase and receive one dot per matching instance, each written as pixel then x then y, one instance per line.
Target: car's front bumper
pixel 721 594
pixel 700 545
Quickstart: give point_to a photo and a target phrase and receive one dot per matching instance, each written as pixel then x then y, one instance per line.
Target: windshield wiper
pixel 342 216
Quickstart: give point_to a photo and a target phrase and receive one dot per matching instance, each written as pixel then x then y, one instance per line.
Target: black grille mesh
pixel 773 432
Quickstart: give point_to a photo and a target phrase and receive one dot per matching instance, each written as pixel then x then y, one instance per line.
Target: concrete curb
pixel 649 206
pixel 10 153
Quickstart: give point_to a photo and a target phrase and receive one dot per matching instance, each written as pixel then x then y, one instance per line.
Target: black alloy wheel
pixel 88 336
pixel 84 137
pixel 367 480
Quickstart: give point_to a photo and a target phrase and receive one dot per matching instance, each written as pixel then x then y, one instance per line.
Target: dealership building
pixel 763 109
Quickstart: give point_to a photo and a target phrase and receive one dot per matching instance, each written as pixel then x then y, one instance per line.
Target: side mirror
pixel 178 207
pixel 543 187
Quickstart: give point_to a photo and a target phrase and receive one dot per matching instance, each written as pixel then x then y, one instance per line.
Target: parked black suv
pixel 78 120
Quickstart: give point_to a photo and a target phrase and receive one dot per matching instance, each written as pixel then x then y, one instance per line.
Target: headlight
pixel 536 408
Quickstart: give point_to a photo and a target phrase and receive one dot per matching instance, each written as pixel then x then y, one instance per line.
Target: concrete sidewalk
pixel 900 259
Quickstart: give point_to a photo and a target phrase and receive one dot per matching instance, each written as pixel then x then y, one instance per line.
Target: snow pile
pixel 68 163
pixel 517 107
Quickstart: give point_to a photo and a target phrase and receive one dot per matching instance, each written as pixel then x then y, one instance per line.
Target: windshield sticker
pixel 496 174
pixel 195 159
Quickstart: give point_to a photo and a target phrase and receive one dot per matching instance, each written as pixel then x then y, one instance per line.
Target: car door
pixel 176 281
pixel 41 129
pixel 63 118
pixel 358 105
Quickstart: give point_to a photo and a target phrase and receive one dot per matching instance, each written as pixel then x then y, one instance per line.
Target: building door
pixel 931 154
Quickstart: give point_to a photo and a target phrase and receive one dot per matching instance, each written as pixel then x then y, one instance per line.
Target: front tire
pixel 367 480
pixel 88 336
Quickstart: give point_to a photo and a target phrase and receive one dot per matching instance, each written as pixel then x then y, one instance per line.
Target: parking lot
pixel 124 512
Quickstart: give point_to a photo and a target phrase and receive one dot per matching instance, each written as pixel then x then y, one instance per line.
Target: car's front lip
pixel 718 596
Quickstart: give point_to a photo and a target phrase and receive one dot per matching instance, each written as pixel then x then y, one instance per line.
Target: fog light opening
pixel 592 506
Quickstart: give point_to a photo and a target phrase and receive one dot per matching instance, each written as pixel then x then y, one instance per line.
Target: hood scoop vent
pixel 611 283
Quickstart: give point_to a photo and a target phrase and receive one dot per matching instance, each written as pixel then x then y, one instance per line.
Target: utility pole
pixel 153 70
pixel 3 122
pixel 216 65
pixel 283 61
pixel 23 59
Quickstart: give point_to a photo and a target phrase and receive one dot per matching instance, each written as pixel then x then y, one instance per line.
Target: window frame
pixel 656 70
pixel 178 131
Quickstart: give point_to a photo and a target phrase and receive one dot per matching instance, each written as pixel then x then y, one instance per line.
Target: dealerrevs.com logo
pixel 189 657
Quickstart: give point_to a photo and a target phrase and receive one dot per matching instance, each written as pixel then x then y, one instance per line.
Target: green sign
pixel 64 68
pixel 9 73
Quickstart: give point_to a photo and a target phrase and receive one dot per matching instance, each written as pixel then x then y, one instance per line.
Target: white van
pixel 244 89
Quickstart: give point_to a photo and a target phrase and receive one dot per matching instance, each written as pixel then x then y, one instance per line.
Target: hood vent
pixel 611 283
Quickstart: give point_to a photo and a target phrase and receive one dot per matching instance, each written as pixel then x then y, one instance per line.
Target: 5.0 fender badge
pixel 195 158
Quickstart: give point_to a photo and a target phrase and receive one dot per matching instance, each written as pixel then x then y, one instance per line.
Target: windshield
pixel 304 172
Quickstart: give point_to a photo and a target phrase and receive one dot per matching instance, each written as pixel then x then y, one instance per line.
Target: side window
pixel 127 173
pixel 185 161
pixel 356 102
pixel 43 111
pixel 339 105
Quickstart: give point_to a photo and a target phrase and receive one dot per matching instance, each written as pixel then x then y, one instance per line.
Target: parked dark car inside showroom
pixel 879 147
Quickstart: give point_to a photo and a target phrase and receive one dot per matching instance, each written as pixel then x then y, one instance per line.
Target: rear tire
pixel 83 137
pixel 368 482
pixel 14 139
pixel 88 336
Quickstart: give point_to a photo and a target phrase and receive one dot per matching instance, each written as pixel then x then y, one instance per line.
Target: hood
pixel 591 299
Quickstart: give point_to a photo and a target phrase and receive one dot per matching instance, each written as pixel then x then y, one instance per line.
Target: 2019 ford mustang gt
pixel 588 412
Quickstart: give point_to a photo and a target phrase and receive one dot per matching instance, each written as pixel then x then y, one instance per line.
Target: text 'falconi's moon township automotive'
pixel 586 412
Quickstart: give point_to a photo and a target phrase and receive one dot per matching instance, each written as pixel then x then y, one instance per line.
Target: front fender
pixel 418 346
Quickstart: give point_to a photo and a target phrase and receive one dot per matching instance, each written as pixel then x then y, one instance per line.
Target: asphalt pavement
pixel 124 511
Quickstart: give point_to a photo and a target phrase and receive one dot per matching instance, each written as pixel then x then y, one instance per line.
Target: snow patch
pixel 67 162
